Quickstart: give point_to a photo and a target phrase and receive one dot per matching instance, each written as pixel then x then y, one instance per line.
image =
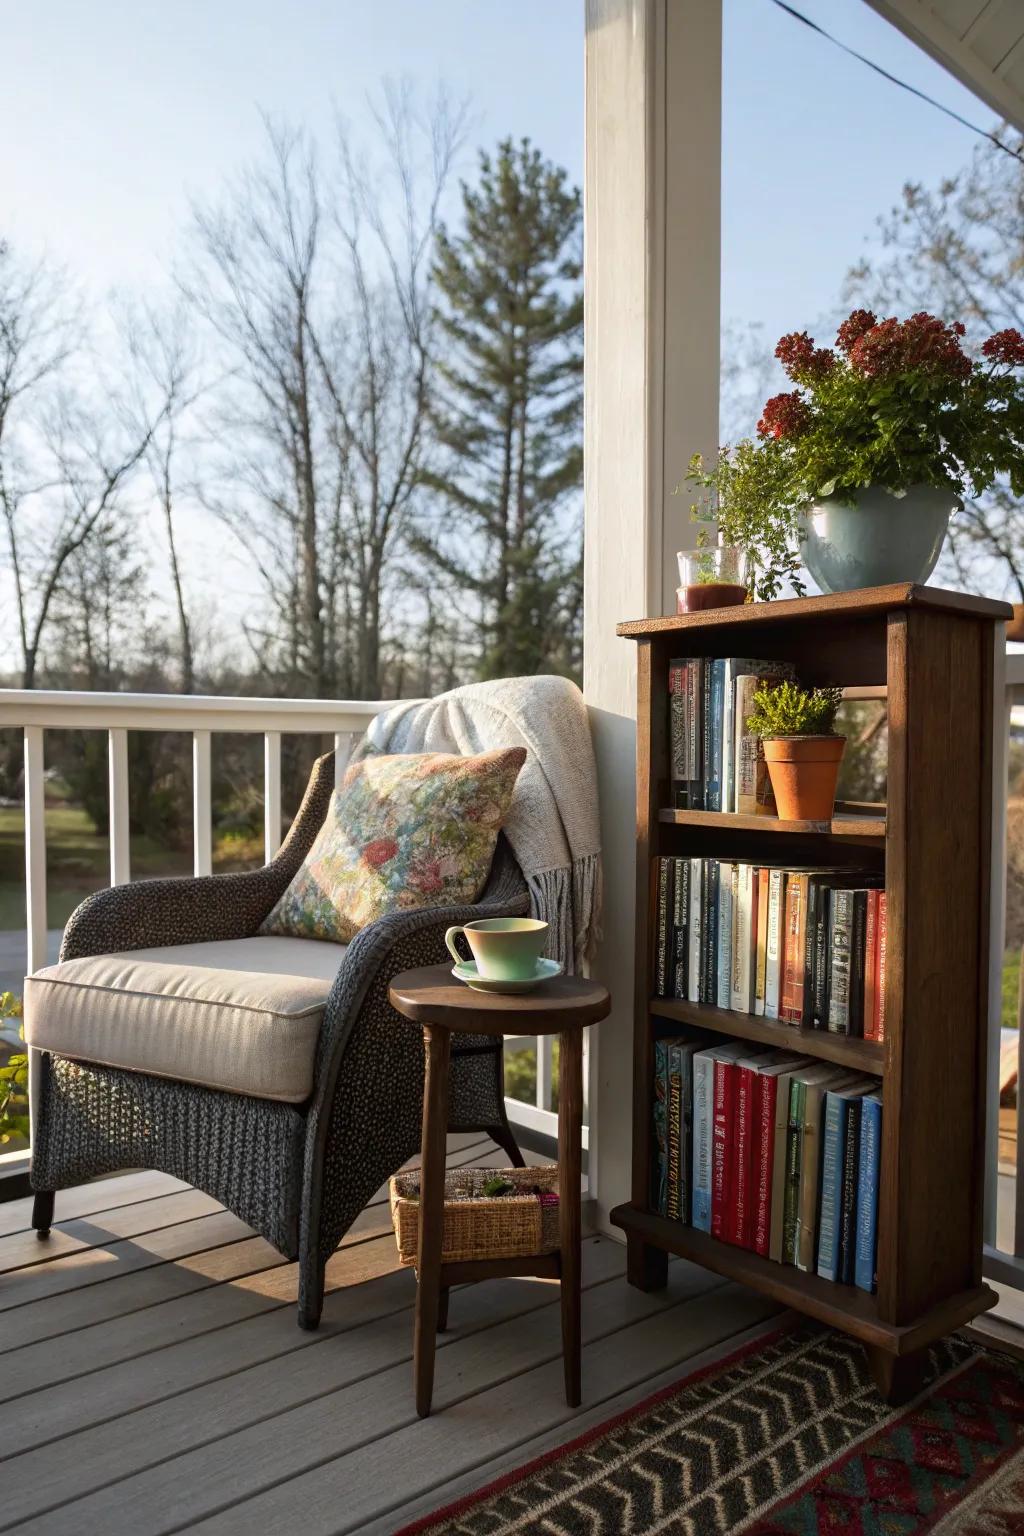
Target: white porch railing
pixel 1004 1191
pixel 36 711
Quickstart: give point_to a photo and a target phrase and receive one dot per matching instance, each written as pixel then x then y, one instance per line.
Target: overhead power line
pixel 903 84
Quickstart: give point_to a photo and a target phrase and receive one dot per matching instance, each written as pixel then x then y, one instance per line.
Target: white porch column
pixel 651 366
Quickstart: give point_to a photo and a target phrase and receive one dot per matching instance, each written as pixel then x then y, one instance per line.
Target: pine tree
pixel 507 412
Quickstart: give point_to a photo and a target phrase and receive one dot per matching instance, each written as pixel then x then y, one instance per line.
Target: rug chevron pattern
pixel 786 1438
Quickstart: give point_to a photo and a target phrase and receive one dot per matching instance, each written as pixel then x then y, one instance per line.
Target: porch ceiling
pixel 981 42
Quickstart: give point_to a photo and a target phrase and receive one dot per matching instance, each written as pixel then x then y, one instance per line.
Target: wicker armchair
pixel 298 1173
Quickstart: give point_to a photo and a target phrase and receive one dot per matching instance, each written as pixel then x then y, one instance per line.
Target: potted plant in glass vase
pixel 749 527
pixel 801 747
pixel 886 435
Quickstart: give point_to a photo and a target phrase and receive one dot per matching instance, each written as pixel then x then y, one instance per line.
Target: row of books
pixel 771 1152
pixel 807 946
pixel 716 764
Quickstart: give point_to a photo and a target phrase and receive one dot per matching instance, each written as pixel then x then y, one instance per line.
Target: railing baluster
pixel 271 793
pixel 120 853
pixel 544 1061
pixel 344 741
pixel 35 849
pixel 202 808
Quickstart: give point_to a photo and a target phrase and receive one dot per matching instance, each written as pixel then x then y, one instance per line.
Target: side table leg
pixel 432 1171
pixel 570 1137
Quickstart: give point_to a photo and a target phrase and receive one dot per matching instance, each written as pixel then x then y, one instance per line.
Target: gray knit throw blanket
pixel 552 825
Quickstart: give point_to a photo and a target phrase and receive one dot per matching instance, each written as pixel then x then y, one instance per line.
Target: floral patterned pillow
pixel 400 833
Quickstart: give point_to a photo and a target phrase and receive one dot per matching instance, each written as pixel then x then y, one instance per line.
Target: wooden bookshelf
pixel 934 653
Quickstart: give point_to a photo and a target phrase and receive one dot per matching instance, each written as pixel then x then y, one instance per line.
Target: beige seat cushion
pixel 239 1014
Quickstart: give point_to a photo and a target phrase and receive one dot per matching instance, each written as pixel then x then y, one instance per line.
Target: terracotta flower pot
pixel 803 771
pixel 1015 626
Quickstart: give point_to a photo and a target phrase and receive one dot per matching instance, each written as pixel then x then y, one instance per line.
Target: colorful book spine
pixel 709 964
pixel 865 1262
pixel 740 1224
pixel 780 1155
pixel 858 951
pixel 659 1185
pixel 791 996
pixel 762 940
pixel 762 1160
pixel 678 721
pixel 674 1195
pixel 722 1149
pixel 695 715
pixel 794 1147
pixel 723 959
pixel 700 1183
pixel 693 962
pixel 833 1144
pixel 848 1197
pixel 810 1177
pixel 680 926
pixel 839 962
pixel 822 932
pixel 879 1025
pixel 773 957
pixel 664 916
pixel 871 964
pixel 685 1050
pixel 744 972
pixel 714 695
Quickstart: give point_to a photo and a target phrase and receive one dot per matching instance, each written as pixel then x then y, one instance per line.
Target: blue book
pixel 726 907
pixel 864 1268
pixel 833 1148
pixel 703 1128
pixel 680 1077
pixel 713 735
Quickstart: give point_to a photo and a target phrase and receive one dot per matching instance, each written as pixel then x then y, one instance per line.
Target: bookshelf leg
pixel 897 1377
pixel 646 1267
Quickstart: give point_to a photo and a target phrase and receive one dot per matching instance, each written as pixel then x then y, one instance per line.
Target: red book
pixel 722 1159
pixel 879 1016
pixel 871 964
pixel 767 1088
pixel 740 1222
pixel 791 998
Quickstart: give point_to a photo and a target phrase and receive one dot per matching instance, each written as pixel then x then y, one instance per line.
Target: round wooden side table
pixel 563 1006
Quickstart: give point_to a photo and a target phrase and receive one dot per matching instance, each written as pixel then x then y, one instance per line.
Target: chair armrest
pixel 148 913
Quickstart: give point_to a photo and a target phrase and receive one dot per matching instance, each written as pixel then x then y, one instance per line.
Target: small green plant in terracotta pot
pixel 803 752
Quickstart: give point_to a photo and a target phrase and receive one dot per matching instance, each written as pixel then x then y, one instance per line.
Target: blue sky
pixel 116 112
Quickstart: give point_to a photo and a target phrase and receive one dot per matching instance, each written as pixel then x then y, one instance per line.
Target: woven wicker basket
pixel 479 1226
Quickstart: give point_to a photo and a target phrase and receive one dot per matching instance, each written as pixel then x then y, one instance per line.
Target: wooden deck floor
pixel 155 1379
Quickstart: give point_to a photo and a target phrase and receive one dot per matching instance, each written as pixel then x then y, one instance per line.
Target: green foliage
pixel 748 500
pixel 908 428
pixel 507 414
pixel 786 709
pixel 13 1082
pixel 498 1186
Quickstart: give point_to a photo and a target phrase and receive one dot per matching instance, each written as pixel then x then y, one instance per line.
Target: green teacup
pixel 504 948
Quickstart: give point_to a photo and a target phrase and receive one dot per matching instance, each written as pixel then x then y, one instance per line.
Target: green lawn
pixel 78 862
pixel 1011 983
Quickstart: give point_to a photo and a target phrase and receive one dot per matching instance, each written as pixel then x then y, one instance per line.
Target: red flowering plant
pixel 895 403
pixel 898 403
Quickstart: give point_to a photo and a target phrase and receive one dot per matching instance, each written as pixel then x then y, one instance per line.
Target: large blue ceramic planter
pixel 882 539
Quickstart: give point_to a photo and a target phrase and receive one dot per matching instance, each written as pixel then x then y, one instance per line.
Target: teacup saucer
pixel 468 973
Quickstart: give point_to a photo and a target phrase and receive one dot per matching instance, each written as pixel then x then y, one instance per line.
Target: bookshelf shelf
pixel 861 1055
pixel 847 826
pixel 933 654
pixel 841 1306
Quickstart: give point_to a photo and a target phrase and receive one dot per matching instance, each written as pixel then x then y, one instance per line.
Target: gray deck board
pixel 156 1381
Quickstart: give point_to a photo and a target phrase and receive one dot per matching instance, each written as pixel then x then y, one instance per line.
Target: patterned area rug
pixel 787 1437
